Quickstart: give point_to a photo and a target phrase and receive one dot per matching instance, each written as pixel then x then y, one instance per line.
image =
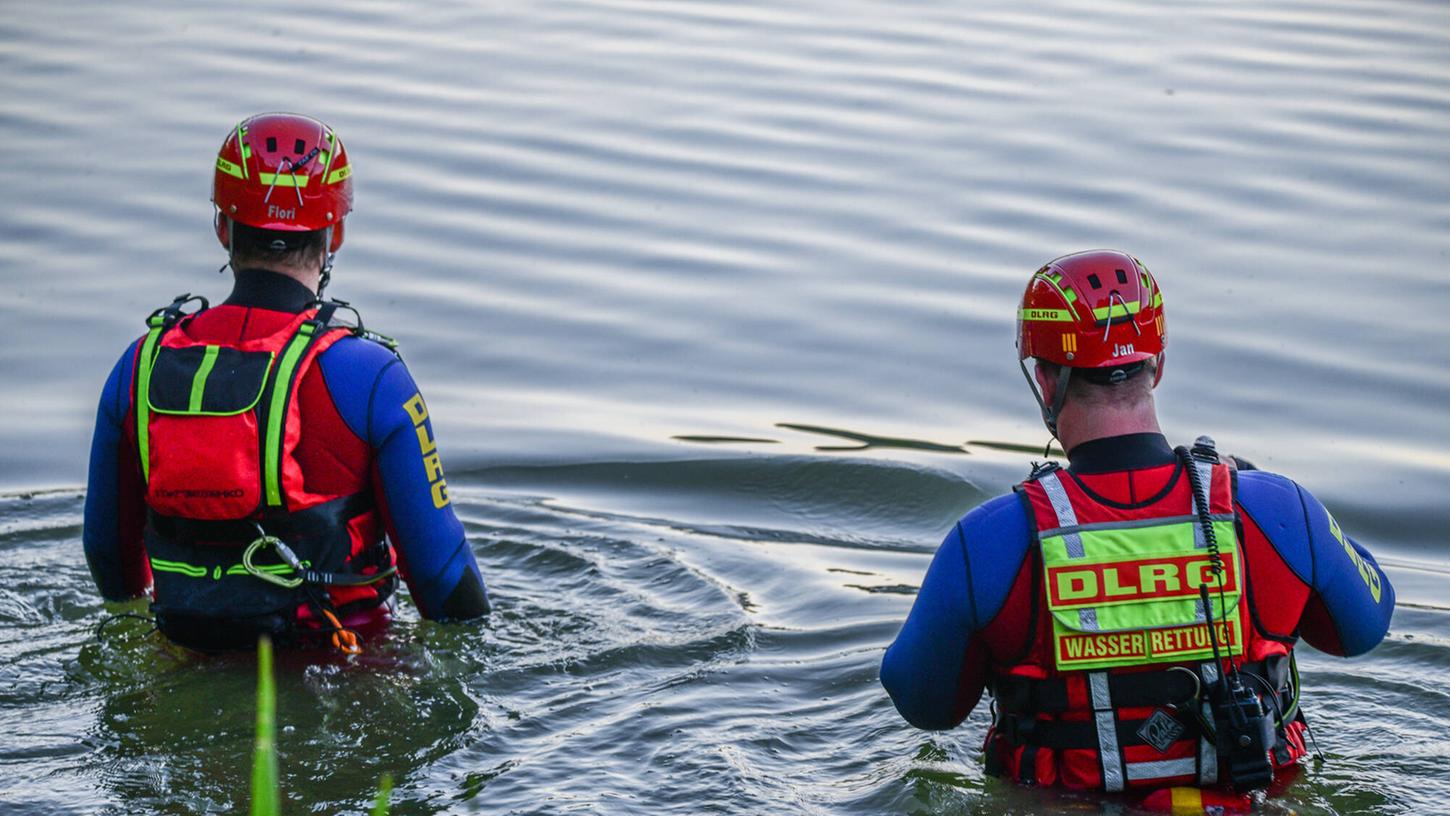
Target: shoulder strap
pixel 161 321
pixel 280 392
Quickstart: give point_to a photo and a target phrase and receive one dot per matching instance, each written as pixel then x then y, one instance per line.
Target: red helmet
pixel 283 171
pixel 1097 310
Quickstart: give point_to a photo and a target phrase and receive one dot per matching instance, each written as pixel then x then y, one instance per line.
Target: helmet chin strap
pixel 326 275
pixel 1052 412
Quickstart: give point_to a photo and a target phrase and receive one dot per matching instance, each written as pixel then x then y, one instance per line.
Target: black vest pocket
pixel 210 380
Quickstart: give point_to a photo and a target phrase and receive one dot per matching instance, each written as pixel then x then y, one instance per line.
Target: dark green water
pixel 712 303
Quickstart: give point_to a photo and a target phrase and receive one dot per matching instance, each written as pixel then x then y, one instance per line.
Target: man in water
pixel 1134 616
pixel 250 458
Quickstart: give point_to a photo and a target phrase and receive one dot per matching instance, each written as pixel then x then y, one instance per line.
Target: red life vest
pixel 237 543
pixel 1109 691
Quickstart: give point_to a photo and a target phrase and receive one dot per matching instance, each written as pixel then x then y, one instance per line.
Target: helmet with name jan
pixel 283 171
pixel 1099 309
pixel 1099 312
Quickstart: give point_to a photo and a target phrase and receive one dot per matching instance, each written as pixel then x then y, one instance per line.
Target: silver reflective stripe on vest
pixel 1087 618
pixel 1159 769
pixel 1131 524
pixel 1207 752
pixel 1104 717
pixel 1107 723
pixel 1062 506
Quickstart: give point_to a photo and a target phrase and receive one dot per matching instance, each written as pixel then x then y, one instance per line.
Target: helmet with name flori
pixel 284 172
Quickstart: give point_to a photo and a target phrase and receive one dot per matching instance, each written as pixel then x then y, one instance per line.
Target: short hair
pixel 253 244
pixel 1134 388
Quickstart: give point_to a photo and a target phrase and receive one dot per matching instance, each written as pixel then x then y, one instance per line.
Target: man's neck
pixel 261 288
pixel 1079 424
pixel 307 272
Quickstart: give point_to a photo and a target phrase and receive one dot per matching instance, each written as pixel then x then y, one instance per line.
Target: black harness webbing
pixel 1020 701
pixel 299 525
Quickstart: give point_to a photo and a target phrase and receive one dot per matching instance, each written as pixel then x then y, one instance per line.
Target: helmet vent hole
pixel 271 144
pixel 1122 276
pixel 1095 282
pixel 301 147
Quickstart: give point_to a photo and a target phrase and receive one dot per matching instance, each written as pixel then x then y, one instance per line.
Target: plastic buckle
pixel 1040 469
pixel 168 315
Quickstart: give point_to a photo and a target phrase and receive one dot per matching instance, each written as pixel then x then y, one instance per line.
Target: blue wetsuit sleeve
pixel 1350 600
pixel 111 534
pixel 936 669
pixel 1354 598
pixel 436 560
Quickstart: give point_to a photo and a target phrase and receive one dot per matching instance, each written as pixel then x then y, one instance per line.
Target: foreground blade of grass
pixel 385 793
pixel 266 796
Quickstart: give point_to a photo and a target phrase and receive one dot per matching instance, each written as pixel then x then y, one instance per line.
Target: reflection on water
pixel 723 440
pixel 1051 450
pixel 592 224
pixel 868 441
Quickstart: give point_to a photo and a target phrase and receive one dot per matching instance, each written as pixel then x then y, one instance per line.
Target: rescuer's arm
pixel 1352 601
pixel 434 555
pixel 936 669
pixel 115 509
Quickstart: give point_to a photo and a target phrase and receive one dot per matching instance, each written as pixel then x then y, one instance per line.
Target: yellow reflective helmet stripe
pixel 1116 310
pixel 230 169
pixel 339 174
pixel 1047 315
pixel 283 179
pixel 1053 280
pixel 242 149
pixel 327 157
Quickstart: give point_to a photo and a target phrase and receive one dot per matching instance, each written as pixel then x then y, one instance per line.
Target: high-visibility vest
pixel 217 425
pixel 1105 694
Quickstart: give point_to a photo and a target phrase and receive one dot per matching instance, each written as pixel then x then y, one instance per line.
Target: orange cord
pixel 345 640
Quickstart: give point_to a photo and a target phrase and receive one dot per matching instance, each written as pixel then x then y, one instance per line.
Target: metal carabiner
pixel 263 539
